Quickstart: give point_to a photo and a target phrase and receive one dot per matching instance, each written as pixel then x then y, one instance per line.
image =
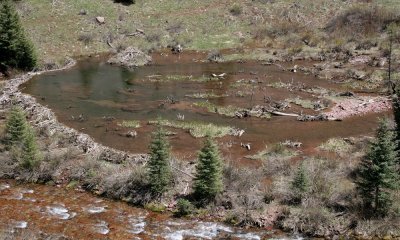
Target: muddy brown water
pixel 96 90
pixel 80 215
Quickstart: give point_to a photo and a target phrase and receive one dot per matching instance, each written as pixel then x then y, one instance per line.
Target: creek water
pixel 80 215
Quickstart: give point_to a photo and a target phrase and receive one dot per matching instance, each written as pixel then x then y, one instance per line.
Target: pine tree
pixel 16 50
pixel 300 184
pixel 30 153
pixel 15 127
pixel 377 174
pixel 158 166
pixel 208 179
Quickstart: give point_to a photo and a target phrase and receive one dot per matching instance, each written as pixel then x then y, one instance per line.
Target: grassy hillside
pixel 58 29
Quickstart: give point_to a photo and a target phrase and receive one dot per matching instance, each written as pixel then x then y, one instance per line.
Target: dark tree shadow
pixel 125 2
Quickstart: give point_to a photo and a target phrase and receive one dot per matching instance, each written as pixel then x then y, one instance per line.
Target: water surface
pixel 96 91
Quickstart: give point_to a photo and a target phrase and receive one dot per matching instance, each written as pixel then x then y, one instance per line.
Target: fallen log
pixel 283 114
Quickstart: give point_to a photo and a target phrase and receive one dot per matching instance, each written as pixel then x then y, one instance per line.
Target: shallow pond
pixel 80 215
pixel 95 98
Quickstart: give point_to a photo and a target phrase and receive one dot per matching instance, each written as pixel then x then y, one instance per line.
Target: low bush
pixel 236 10
pixel 184 208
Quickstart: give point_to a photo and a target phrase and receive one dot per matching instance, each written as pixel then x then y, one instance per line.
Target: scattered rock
pixel 130 57
pixel 291 144
pixel 360 60
pixel 177 49
pixel 246 145
pixel 100 20
pixel 131 134
pixel 82 12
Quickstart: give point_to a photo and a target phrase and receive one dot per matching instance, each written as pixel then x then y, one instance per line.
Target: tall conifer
pixel 158 166
pixel 16 50
pixel 378 175
pixel 208 178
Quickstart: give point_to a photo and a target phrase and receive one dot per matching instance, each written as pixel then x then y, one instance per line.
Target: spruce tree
pixel 30 153
pixel 158 166
pixel 300 184
pixel 208 178
pixel 16 50
pixel 15 127
pixel 377 174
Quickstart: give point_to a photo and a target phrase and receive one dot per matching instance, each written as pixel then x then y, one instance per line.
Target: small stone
pixel 82 12
pixel 100 20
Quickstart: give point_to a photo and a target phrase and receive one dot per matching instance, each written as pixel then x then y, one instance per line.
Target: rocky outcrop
pixel 130 57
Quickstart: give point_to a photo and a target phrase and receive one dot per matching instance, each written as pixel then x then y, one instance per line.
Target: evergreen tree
pixel 30 153
pixel 158 166
pixel 300 184
pixel 15 127
pixel 16 50
pixel 208 179
pixel 377 175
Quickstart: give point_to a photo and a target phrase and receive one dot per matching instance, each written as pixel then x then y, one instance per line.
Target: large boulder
pixel 130 57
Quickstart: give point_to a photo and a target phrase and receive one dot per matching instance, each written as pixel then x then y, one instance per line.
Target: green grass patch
pixel 304 103
pixel 171 78
pixel 223 110
pixel 198 129
pixel 277 151
pixel 337 145
pixel 130 124
pixel 155 207
pixel 205 95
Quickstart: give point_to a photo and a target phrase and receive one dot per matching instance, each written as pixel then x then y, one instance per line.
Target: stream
pixel 81 215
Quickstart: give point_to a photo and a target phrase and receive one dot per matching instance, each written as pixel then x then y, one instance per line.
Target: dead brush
pixel 243 194
pixel 362 21
pixel 86 38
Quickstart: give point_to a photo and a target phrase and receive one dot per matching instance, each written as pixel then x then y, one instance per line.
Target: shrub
pixel 15 127
pixel 86 38
pixel 300 184
pixel 155 207
pixel 236 10
pixel 184 207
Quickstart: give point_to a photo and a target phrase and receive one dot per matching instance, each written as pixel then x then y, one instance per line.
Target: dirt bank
pixel 356 106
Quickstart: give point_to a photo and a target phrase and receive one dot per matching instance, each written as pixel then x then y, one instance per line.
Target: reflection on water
pixel 80 215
